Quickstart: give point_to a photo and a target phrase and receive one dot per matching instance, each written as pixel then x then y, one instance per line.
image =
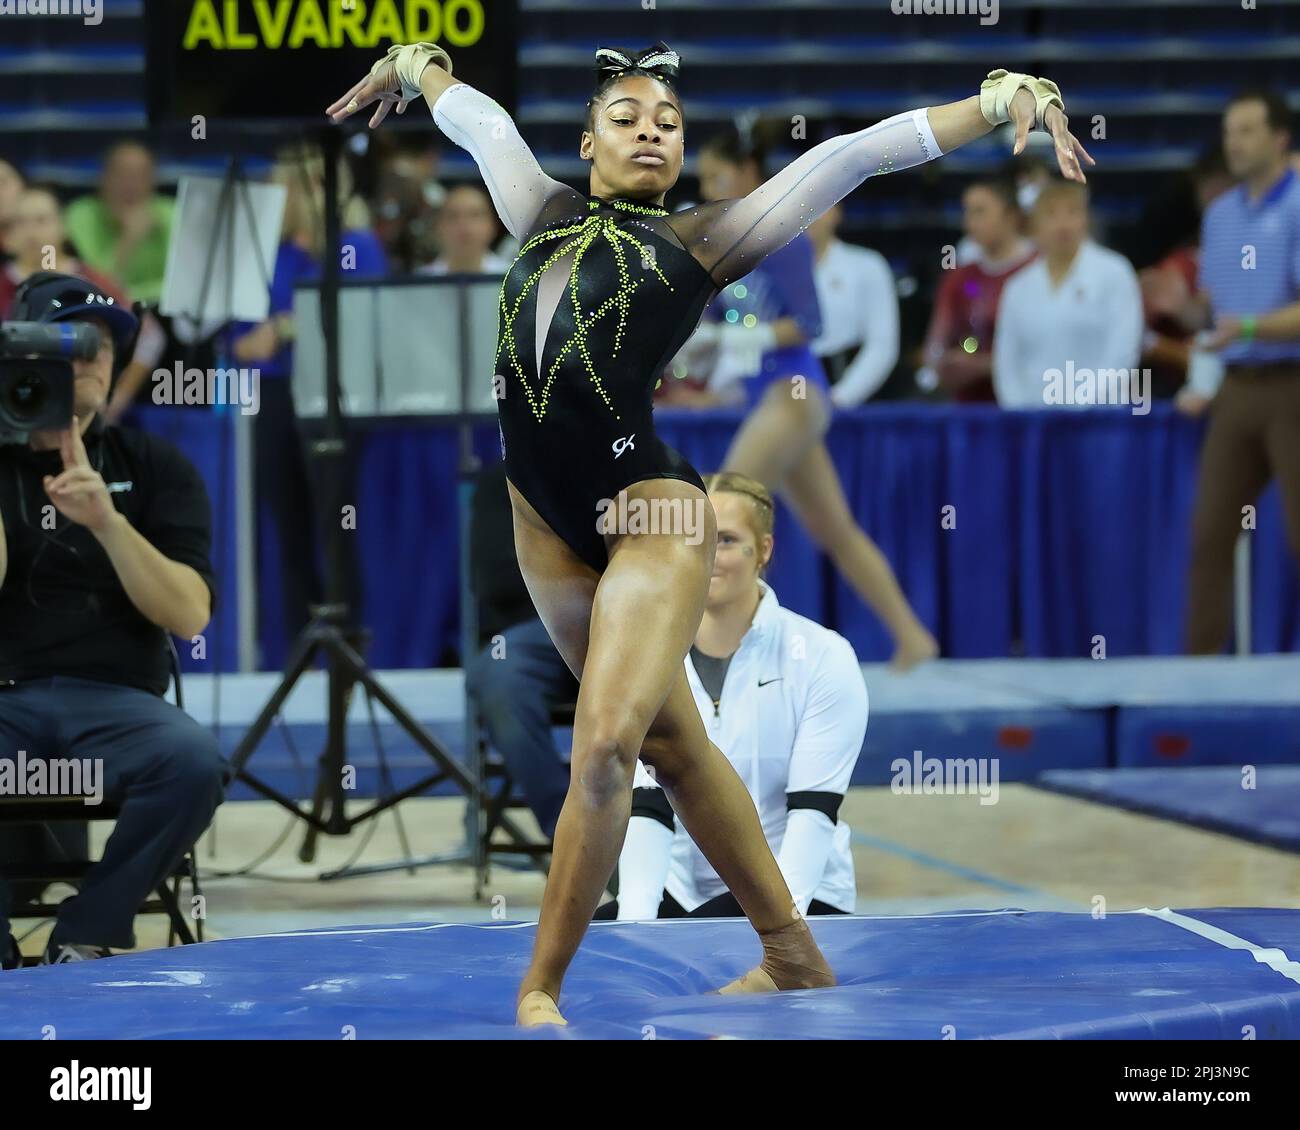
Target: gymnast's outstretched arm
pixel 520 189
pixel 475 121
pixel 730 238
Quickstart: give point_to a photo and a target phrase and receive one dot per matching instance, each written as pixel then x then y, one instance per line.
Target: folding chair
pixel 31 877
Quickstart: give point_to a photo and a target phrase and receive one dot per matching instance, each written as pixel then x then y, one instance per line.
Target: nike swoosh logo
pixel 764 682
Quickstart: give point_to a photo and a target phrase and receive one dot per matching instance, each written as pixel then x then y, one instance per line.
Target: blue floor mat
pixel 1212 798
pixel 995 974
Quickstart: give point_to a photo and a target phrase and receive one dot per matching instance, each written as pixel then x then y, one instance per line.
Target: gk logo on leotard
pixel 621 444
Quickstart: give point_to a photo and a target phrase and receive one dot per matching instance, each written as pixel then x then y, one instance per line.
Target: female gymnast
pixel 784 699
pixel 604 291
pixel 782 442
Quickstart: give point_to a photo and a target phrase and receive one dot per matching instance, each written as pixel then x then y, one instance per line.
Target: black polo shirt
pixel 63 610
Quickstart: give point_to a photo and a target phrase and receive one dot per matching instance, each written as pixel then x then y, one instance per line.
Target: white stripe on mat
pixel 1275 959
pixel 363 930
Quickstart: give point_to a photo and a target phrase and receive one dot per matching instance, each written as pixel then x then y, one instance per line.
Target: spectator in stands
pixel 1031 172
pixel 1250 289
pixel 858 345
pixel 281 474
pixel 467 228
pixel 517 678
pixel 1168 284
pixel 1069 326
pixel 784 699
pixel 959 343
pixel 87 604
pixel 124 231
pixel 1028 174
pixel 1167 287
pixel 407 197
pixel 11 186
pixel 38 242
pixel 1171 215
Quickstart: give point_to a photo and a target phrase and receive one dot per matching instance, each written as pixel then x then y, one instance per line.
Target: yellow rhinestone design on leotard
pixel 585 233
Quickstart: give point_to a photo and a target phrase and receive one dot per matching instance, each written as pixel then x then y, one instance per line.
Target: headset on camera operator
pixel 104 543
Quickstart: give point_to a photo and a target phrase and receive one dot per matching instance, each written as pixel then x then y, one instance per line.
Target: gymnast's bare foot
pixel 537 1008
pixel 791 960
pixel 913 648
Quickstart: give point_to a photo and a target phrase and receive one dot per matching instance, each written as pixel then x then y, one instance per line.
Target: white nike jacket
pixel 791 719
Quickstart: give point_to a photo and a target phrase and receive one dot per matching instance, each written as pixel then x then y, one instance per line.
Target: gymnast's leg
pixel 813 491
pixel 718 813
pixel 643 612
pixel 781 444
pixel 777 433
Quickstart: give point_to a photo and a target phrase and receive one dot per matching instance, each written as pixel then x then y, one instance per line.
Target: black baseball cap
pixel 50 296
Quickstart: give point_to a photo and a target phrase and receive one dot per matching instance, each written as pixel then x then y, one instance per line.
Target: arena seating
pixel 851 62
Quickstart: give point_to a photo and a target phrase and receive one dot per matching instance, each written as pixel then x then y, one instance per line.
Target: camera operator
pixel 104 543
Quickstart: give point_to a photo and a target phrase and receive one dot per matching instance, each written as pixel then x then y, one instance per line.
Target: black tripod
pixel 331 631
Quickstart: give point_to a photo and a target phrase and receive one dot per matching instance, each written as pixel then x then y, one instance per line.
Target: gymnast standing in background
pixel 765 324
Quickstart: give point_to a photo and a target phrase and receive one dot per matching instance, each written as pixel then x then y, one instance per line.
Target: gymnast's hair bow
pixel 660 60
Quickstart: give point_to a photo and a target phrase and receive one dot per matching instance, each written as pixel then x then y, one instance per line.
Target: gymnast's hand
pixel 381 85
pixel 395 79
pixel 1023 114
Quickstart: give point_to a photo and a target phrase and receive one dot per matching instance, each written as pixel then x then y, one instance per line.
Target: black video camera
pixel 36 378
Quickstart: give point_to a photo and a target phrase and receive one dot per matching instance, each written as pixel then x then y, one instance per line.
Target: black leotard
pixel 604 293
pixel 576 428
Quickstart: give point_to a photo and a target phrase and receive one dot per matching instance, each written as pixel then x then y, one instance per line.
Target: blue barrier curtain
pixel 207 438
pixel 1044 534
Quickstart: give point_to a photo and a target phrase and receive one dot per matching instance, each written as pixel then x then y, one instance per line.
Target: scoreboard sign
pixel 272 60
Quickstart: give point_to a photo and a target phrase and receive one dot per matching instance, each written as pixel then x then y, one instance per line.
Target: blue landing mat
pixel 1210 798
pixel 984 974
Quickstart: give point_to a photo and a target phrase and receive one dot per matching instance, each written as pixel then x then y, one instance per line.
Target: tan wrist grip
pixel 1000 87
pixel 410 60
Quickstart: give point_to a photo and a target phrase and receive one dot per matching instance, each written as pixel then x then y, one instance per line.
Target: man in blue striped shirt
pixel 1250 290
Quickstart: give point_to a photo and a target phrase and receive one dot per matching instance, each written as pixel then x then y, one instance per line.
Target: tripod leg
pixel 386 777
pixel 307 851
pixel 465 779
pixel 330 800
pixel 305 649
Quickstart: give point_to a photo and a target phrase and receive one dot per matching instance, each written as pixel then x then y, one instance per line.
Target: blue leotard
pixel 781 286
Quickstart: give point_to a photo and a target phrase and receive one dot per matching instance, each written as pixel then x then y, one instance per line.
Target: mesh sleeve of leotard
pixel 520 189
pixel 731 237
